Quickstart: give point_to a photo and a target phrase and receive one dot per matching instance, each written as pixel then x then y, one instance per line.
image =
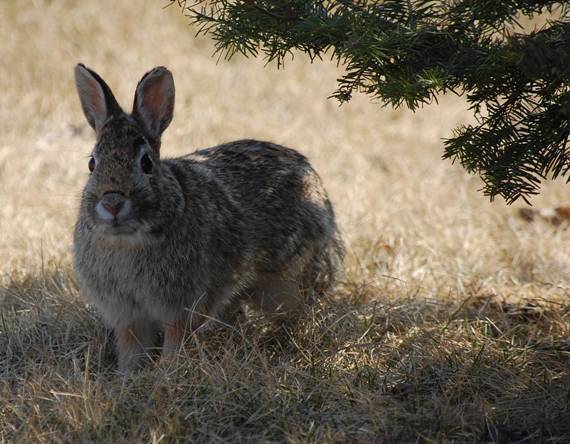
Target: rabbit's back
pixel 285 209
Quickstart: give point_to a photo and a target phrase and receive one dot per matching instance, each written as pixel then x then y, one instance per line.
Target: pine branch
pixel 406 52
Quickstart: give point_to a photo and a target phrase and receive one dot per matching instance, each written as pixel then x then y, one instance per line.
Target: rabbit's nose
pixel 113 209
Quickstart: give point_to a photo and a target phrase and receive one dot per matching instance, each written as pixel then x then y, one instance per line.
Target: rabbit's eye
pixel 91 164
pixel 146 164
pixel 139 141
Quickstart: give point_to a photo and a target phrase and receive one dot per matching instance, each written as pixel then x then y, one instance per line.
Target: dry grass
pixel 452 324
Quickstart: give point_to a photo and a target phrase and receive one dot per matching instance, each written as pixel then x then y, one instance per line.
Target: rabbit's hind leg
pixel 231 314
pixel 277 296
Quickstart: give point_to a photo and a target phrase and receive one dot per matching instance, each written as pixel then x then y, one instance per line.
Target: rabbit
pixel 170 244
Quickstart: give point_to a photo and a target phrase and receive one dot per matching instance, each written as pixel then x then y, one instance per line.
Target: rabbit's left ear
pixel 96 97
pixel 154 101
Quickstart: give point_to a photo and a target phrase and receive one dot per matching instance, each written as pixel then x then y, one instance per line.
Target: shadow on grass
pixel 391 369
pixel 45 324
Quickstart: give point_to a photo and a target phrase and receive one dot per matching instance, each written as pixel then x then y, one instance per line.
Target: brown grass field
pixel 451 324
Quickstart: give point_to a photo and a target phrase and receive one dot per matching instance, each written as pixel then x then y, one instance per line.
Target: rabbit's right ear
pixel 97 100
pixel 153 106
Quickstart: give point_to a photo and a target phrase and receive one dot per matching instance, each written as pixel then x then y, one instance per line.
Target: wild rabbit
pixel 167 244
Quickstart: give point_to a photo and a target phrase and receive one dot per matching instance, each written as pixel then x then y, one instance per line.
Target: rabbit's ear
pixel 97 100
pixel 154 101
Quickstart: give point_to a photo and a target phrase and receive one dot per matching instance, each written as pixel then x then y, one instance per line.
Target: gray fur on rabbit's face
pixel 168 244
pixel 118 179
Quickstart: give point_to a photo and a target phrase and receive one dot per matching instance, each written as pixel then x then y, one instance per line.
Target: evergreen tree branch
pixel 406 52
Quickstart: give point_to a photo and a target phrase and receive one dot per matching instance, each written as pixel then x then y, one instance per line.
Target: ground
pixel 451 323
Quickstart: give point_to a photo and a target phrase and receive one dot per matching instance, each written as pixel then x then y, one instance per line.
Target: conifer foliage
pixel 406 52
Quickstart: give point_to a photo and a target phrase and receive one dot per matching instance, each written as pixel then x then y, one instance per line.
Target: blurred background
pixel 412 221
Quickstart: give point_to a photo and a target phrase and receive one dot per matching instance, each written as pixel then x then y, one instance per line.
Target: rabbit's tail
pixel 324 271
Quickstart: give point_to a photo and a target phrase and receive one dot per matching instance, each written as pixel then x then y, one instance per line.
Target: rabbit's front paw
pixel 175 335
pixel 135 343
